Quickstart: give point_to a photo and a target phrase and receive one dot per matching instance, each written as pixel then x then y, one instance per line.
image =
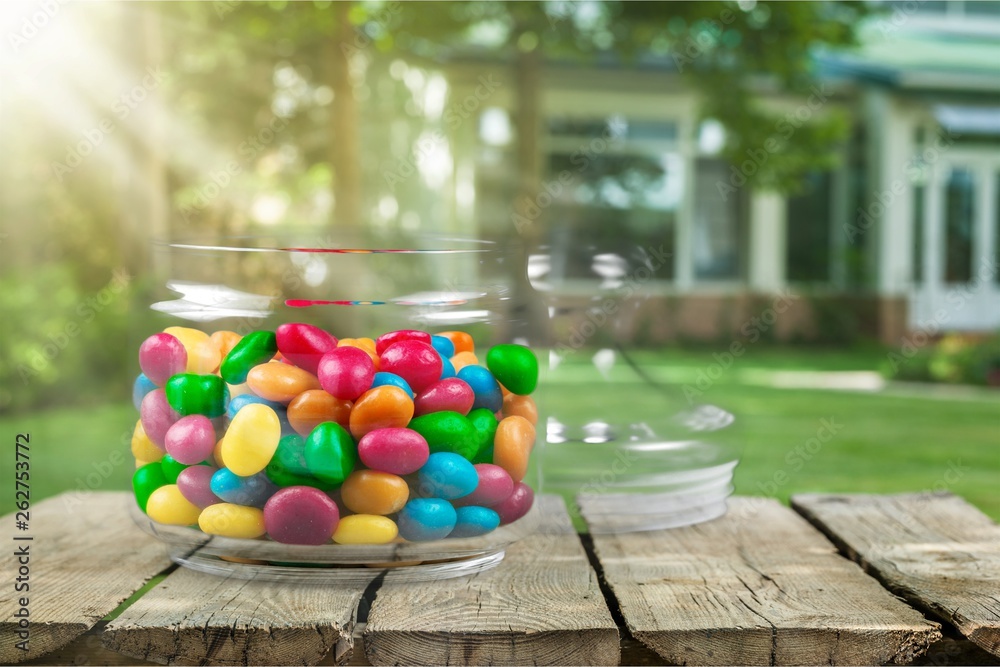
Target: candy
pixel 382 407
pixel 195 484
pixel 239 402
pixel 225 341
pixel 460 340
pixel 280 382
pixel 145 480
pixel 171 468
pixel 142 386
pixel 444 346
pixel 373 492
pixel 288 465
pixel 485 387
pixel 447 432
pixel 191 439
pixel 516 504
pixel 414 361
pixel 330 453
pixel 366 344
pixel 254 348
pixel 167 505
pixel 512 445
pixel 190 394
pixel 514 366
pixel 252 491
pixel 495 485
pixel 383 379
pixel 161 356
pixel 251 439
pixel 383 342
pixel 365 529
pixel 157 416
pixel 230 520
pixel 315 406
pixel 203 356
pixel 142 447
pixel 301 515
pixel 304 344
pixel 451 394
pixel 521 406
pixel 448 476
pixel 400 451
pixel 447 369
pixel 485 424
pixel 346 372
pixel 473 521
pixel 463 359
pixel 425 519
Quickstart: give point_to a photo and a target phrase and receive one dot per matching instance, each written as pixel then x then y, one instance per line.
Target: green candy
pixel 330 453
pixel 254 348
pixel 171 468
pixel 485 424
pixel 514 366
pixel 448 431
pixel 145 480
pixel 193 394
pixel 484 455
pixel 288 465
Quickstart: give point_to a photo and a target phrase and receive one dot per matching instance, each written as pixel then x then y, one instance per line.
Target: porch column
pixel 768 240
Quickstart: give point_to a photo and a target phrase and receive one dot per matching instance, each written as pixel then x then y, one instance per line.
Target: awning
pixel 968 119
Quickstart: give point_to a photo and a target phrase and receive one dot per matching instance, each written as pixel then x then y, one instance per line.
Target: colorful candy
pixel 473 521
pixel 167 505
pixel 280 382
pixel 145 480
pixel 516 505
pixel 381 407
pixel 191 439
pixel 383 379
pixel 251 439
pixel 142 447
pixel 512 446
pixel 162 356
pixel 253 349
pixel 383 342
pixel 447 432
pixel 194 394
pixel 448 476
pixel 451 394
pixel 315 406
pixel 374 492
pixel 365 529
pixel 230 520
pixel 195 484
pixel 252 491
pixel 425 519
pixel 514 366
pixel 304 345
pixel 484 386
pixel 301 515
pixel 346 372
pixel 330 453
pixel 400 451
pixel 495 485
pixel 157 416
pixel 413 360
pixel 203 356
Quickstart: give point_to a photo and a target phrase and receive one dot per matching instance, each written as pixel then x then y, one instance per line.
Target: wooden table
pixel 836 579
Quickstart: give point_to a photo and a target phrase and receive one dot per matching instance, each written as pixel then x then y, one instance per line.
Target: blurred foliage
pixel 954 359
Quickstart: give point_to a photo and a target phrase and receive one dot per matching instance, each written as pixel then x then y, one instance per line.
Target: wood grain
pixel 196 618
pixel 85 558
pixel 756 587
pixel 541 606
pixel 934 549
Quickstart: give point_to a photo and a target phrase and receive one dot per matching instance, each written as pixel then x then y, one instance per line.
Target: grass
pixel 884 443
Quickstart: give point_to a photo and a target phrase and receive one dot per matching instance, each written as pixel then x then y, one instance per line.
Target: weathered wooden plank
pixel 191 617
pixel 756 587
pixel 86 649
pixel 85 557
pixel 542 605
pixel 934 549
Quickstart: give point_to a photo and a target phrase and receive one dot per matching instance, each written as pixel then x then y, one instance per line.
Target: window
pixel 959 219
pixel 808 251
pixel 718 235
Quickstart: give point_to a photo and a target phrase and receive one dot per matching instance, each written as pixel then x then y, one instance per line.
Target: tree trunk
pixel 344 143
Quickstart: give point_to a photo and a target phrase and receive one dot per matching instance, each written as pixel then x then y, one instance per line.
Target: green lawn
pixel 885 444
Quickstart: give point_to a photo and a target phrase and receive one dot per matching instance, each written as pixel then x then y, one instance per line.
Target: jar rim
pixel 327 241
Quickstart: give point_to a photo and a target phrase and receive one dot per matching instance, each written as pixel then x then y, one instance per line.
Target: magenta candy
pixel 449 394
pixel 161 356
pixel 346 372
pixel 157 416
pixel 495 486
pixel 194 483
pixel 516 504
pixel 416 362
pixel 190 439
pixel 399 451
pixel 304 345
pixel 385 340
pixel 301 515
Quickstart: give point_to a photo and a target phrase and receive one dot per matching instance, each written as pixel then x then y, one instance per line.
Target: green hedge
pixel 954 359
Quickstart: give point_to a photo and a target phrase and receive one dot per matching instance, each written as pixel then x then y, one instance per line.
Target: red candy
pixel 495 486
pixel 416 362
pixel 346 372
pixel 516 505
pixel 400 451
pixel 304 345
pixel 383 342
pixel 190 440
pixel 161 356
pixel 301 515
pixel 157 416
pixel 449 394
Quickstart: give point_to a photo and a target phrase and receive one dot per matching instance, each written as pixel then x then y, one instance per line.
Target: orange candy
pixel 225 341
pixel 461 340
pixel 280 382
pixel 374 492
pixel 315 406
pixel 463 359
pixel 381 407
pixel 512 445
pixel 520 406
pixel 366 344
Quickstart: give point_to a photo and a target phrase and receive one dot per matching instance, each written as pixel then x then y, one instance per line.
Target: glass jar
pixel 353 286
pixel 626 449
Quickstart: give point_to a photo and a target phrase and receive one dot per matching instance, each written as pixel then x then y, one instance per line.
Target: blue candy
pixel 382 379
pixel 447 475
pixel 253 491
pixel 237 403
pixel 424 519
pixel 484 386
pixel 474 521
pixel 143 385
pixel 444 346
pixel 447 369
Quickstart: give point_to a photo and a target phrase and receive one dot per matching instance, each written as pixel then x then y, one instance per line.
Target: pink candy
pixel 416 362
pixel 385 340
pixel 190 440
pixel 449 394
pixel 516 504
pixel 195 482
pixel 157 416
pixel 346 372
pixel 495 486
pixel 399 451
pixel 301 515
pixel 304 345
pixel 161 356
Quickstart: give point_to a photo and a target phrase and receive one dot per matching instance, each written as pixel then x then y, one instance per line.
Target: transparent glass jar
pixel 351 285
pixel 626 449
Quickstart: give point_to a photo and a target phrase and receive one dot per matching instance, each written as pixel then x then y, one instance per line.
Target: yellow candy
pixel 237 389
pixel 204 356
pixel 217 454
pixel 231 520
pixel 167 505
pixel 251 439
pixel 364 529
pixel 142 447
pixel 139 463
